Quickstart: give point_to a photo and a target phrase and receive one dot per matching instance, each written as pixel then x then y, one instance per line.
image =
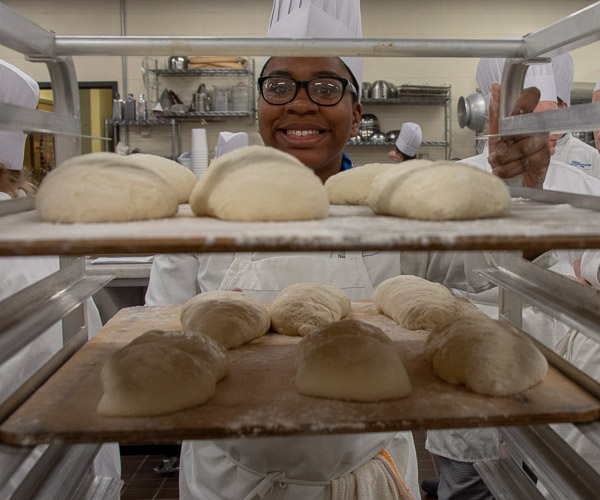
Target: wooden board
pixel 258 397
pixel 531 225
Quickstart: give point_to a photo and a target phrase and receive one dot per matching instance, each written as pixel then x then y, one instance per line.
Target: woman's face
pixel 314 134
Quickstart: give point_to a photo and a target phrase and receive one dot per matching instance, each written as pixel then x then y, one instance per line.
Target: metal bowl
pixel 369 121
pixel 392 135
pixel 378 138
pixel 471 112
pixel 355 140
pixel 367 132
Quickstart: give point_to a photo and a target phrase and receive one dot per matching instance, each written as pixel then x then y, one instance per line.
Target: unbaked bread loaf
pixel 259 183
pixel 161 372
pixel 352 186
pixel 350 360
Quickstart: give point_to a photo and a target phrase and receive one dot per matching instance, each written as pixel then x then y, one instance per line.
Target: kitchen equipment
pixel 142 109
pixel 220 99
pixel 380 90
pixel 117 110
pixel 258 396
pixel 367 133
pixel 392 135
pixel 366 90
pixel 471 112
pixel 378 138
pixel 176 63
pixel 369 121
pixel 239 97
pixel 129 113
pixel 355 140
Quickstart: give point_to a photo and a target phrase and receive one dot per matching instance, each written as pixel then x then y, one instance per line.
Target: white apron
pixel 292 467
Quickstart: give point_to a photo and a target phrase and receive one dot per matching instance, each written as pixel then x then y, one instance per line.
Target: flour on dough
pixel 301 307
pixel 350 360
pixel 352 186
pixel 415 303
pixel 181 179
pixel 259 183
pixel 103 187
pixel 161 372
pixel 231 318
pixel 486 355
pixel 439 191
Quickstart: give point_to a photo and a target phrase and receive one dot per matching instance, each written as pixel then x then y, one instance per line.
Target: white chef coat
pixel 291 467
pixel 575 152
pixel 471 445
pixel 18 273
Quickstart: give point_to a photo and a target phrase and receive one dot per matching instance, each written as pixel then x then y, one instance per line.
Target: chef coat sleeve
pixel 173 279
pixel 590 267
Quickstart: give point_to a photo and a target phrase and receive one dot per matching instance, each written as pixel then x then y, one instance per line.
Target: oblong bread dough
pixel 350 360
pixel 161 372
pixel 259 183
pixel 181 179
pixel 300 308
pixel 103 187
pixel 439 191
pixel 231 318
pixel 352 186
pixel 486 355
pixel 415 303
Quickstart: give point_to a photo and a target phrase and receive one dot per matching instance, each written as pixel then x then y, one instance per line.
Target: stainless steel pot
pixel 471 112
pixel 178 62
pixel 380 90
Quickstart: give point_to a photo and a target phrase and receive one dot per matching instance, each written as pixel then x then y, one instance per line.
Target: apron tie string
pixel 265 486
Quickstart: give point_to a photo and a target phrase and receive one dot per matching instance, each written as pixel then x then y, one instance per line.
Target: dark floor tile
pixel 138 494
pixel 165 493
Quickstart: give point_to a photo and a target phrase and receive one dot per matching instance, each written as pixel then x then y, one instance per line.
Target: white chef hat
pixel 318 19
pixel 409 138
pixel 564 69
pixel 228 141
pixel 489 70
pixel 20 89
pixel 542 77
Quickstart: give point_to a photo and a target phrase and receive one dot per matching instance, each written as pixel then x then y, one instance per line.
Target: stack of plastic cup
pixel 199 151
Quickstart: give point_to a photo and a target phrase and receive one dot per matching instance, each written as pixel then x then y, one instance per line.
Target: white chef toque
pixel 20 89
pixel 409 138
pixel 318 19
pixel 228 141
pixel 489 70
pixel 564 69
pixel 542 77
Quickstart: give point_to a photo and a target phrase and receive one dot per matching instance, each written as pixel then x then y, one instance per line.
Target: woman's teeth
pixel 301 132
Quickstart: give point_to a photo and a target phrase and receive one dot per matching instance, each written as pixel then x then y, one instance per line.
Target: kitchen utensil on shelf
pixel 177 63
pixel 378 138
pixel 366 90
pixel 392 135
pixel 380 90
pixel 471 112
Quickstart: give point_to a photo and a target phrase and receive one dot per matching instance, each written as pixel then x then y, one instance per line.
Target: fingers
pixel 526 102
pixel 533 167
pixel 512 148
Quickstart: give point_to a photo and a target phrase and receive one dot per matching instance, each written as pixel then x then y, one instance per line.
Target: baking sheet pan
pixel 531 225
pixel 258 397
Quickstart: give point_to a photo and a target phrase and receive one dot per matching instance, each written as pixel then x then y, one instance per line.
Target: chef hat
pixel 228 141
pixel 15 88
pixel 563 68
pixel 542 77
pixel 409 138
pixel 318 19
pixel 489 70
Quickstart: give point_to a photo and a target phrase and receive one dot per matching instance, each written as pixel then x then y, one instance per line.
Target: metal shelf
pixel 202 72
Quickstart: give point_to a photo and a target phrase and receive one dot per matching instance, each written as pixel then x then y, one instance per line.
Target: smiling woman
pixel 314 133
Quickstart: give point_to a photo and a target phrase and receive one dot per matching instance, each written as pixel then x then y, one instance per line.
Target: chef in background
pixel 17 273
pixel 596 98
pixel 569 149
pixel 408 141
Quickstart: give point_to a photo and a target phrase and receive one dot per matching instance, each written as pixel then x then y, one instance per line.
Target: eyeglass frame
pixel 346 84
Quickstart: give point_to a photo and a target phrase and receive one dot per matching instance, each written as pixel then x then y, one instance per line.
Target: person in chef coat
pixel 408 141
pixel 458 449
pixel 567 148
pixel 295 119
pixel 596 98
pixel 18 88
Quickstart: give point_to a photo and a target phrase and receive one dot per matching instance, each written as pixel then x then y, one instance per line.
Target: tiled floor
pixel 143 483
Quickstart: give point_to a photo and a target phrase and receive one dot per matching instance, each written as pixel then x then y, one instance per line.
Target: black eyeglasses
pixel 324 90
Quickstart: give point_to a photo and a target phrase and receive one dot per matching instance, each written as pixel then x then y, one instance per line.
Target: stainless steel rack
pixel 57 461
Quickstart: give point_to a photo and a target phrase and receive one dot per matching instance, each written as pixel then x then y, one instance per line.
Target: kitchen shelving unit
pixel 62 471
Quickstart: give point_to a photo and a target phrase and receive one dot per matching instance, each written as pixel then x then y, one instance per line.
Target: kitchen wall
pixel 465 19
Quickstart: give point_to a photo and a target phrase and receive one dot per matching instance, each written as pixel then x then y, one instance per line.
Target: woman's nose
pixel 302 103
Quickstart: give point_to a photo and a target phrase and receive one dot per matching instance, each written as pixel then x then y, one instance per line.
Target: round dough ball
pixel 231 318
pixel 439 191
pixel 488 356
pixel 161 372
pixel 350 360
pixel 259 183
pixel 415 303
pixel 300 308
pixel 103 187
pixel 352 186
pixel 181 179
